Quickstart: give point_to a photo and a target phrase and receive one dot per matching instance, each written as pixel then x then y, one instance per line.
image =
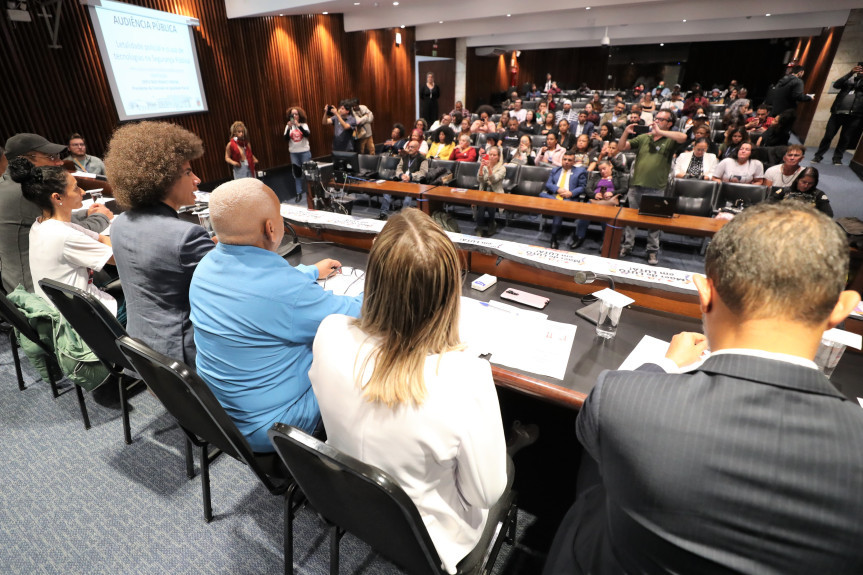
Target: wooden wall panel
pixel 252 68
pixel 816 56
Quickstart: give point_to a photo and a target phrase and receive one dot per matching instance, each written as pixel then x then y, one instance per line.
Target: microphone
pixel 585 277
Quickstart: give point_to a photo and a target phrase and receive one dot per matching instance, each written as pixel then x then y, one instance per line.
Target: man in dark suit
pixel 565 183
pixel 846 114
pixel 582 126
pixel 750 463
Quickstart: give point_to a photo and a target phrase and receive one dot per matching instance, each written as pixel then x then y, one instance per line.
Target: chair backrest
pixel 388 166
pixel 537 141
pixel 97 326
pixel 630 159
pixel 495 118
pixel 359 498
pixel 369 162
pixel 466 175
pixel 10 312
pixel 510 178
pixel 531 180
pixel 730 192
pixel 695 197
pixel 188 398
pixel 449 165
pixel 481 139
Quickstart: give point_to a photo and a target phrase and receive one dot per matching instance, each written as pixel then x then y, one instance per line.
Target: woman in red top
pixel 238 152
pixel 464 152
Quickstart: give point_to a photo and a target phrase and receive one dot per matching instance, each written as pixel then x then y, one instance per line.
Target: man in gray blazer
pixel 750 463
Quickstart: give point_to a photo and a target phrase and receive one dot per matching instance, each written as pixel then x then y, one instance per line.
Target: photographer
pixel 343 123
pixel 363 135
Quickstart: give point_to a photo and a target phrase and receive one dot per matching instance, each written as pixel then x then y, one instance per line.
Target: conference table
pixel 590 354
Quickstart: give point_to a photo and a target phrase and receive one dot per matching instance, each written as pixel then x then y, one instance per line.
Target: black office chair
pixel 202 418
pixel 13 316
pixel 100 330
pixel 359 498
pixel 510 179
pixel 466 175
pixel 749 194
pixel 369 166
pixel 481 139
pixel 388 166
pixel 449 165
pixel 695 197
pixel 537 141
pixel 630 159
pixel 531 180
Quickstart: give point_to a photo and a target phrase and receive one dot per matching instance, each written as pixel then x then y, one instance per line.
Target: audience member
pixel 548 83
pixel 483 125
pixel 788 91
pixel 779 133
pixel 429 96
pixel 648 104
pixel 444 121
pixel 756 441
pixel 412 167
pixel 549 125
pixel 529 125
pixel 419 137
pixel 66 252
pixel 460 109
pixel 566 182
pixel 693 102
pixel 363 138
pixel 509 103
pixel 397 390
pixel 654 154
pixel 783 175
pixel 533 93
pixel 517 111
pixel 741 168
pixel 464 152
pixel 149 166
pixel 673 103
pixel 697 164
pixel 567 113
pixel 443 145
pixel 238 152
pixel 564 136
pixel 492 172
pixel 733 138
pixel 804 189
pixel 585 154
pixel 552 152
pixel 256 316
pixel 510 137
pixel 760 121
pixel 343 123
pixel 17 214
pixel 524 154
pixel 618 117
pixel 846 114
pixel 83 161
pixel 582 125
pixel 297 134
pixel 592 115
pixel 397 141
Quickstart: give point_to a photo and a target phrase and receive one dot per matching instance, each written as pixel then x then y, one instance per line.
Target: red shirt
pixel 468 156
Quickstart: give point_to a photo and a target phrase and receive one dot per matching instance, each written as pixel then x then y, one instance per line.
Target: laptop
pixel 657 206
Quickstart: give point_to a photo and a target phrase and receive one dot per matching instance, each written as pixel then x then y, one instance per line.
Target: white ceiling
pixel 519 24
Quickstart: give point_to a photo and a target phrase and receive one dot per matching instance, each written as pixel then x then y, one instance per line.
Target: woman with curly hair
pixel 156 252
pixel 297 134
pixel 238 152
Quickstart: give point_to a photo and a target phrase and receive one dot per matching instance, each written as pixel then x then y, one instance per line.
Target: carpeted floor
pixel 82 502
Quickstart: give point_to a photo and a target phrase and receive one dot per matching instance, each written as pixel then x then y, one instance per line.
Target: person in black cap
pixel 18 214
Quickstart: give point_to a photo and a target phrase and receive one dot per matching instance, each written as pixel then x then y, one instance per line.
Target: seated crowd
pixel 720 137
pixel 386 375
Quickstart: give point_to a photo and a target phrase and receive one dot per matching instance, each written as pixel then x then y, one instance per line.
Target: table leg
pixel 611 241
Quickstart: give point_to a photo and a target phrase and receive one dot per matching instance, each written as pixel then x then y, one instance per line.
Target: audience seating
pixel 730 192
pixel 202 418
pixel 531 180
pixel 388 166
pixel 361 499
pixel 509 181
pixel 481 139
pixel 466 175
pixel 100 330
pixel 537 141
pixel 695 197
pixel 369 165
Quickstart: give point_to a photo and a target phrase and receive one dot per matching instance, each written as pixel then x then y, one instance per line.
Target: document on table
pixel 525 342
pixel 351 282
pixel 649 349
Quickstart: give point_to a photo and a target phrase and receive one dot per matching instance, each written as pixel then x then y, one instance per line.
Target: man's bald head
pixel 246 212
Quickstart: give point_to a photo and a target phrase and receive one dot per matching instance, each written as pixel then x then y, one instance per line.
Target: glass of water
pixel 828 355
pixel 609 316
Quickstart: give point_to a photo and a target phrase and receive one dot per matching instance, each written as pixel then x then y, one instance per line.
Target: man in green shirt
pixel 654 153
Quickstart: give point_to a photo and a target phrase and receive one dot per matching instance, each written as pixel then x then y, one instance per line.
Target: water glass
pixel 609 316
pixel 828 355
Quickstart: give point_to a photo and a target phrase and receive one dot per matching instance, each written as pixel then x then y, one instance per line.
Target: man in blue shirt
pixel 256 316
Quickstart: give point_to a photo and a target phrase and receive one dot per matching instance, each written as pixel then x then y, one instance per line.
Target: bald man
pixel 256 316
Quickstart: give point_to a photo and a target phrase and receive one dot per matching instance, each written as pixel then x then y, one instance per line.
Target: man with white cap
pixel 567 113
pixel 18 214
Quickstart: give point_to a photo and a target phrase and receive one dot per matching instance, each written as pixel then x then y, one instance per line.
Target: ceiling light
pixel 324 13
pixel 768 15
pixel 402 25
pixel 281 14
pixel 662 44
pixel 509 15
pixel 587 8
pixel 440 22
pixel 395 3
pixel 356 3
pixel 684 20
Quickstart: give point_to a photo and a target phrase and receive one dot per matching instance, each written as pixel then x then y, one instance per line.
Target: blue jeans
pixel 634 198
pixel 242 171
pixel 387 202
pixel 298 159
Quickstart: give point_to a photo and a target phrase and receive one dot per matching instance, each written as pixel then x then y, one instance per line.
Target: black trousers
pixel 850 126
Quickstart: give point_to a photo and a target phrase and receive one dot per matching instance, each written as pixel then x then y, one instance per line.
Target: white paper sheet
pixel 649 349
pixel 528 343
pixel 351 282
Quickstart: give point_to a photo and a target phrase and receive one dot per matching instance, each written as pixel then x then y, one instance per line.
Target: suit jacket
pixel 588 128
pixel 156 253
pixel 16 216
pixel 577 181
pixel 747 465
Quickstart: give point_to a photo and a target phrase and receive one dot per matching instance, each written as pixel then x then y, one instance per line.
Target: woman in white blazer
pixel 397 391
pixel 703 165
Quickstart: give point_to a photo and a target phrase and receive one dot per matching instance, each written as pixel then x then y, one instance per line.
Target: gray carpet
pixel 75 501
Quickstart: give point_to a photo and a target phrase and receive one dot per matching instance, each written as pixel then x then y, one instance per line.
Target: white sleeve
pixel 481 471
pixel 682 163
pixel 80 249
pixel 709 164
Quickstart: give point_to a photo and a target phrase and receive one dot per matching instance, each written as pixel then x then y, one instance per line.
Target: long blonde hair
pixel 411 305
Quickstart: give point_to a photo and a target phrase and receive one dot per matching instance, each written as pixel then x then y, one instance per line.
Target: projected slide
pixel 150 60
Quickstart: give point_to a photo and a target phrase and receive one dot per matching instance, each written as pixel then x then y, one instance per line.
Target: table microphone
pixel 584 277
